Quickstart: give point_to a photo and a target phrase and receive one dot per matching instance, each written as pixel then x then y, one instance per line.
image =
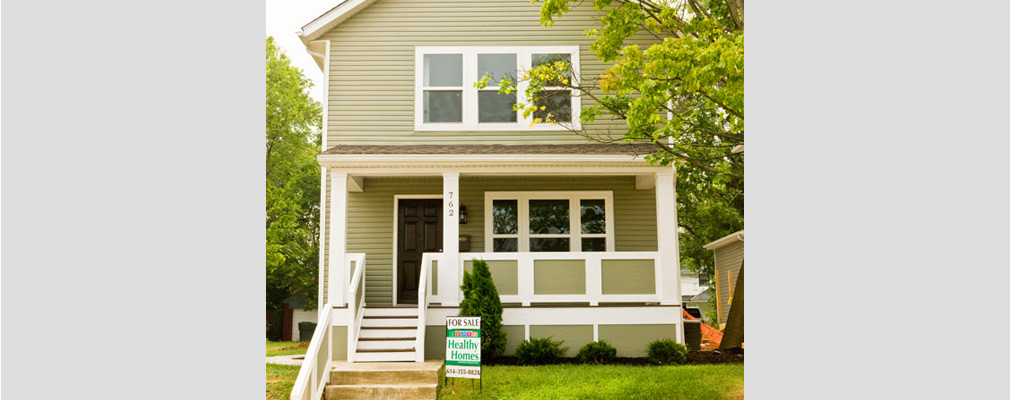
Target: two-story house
pixel 424 173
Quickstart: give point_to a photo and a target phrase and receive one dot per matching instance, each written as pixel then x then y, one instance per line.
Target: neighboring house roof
pixel 725 240
pixel 589 148
pixel 687 272
pixel 703 296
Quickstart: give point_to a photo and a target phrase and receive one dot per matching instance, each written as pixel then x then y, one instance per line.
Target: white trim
pixel 396 233
pixel 668 264
pixel 469 71
pixel 574 208
pixel 572 316
pixel 322 237
pixel 450 235
pixel 339 274
pixel 725 240
pixel 593 263
pixel 332 18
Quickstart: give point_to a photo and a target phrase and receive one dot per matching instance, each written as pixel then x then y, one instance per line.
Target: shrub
pixel 480 299
pixel 540 351
pixel 599 352
pixel 667 351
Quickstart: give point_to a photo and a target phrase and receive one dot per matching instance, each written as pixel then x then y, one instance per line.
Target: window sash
pixel 575 234
pixel 470 101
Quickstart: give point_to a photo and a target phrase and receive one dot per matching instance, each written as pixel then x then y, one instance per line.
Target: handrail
pixel 422 305
pixel 355 303
pixel 310 383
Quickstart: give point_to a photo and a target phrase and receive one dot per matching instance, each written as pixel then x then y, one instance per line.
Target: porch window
pixel 549 221
pixel 446 99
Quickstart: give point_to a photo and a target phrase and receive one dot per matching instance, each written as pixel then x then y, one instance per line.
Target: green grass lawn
pixel 286 348
pixel 280 380
pixel 602 382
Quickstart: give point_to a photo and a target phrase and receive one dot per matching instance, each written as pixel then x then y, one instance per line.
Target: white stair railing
pixel 422 302
pixel 314 373
pixel 355 303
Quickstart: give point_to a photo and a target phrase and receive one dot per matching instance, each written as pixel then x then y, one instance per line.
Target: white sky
pixel 284 18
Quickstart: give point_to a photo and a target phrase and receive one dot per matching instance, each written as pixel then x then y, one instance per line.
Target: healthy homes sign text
pixel 462 347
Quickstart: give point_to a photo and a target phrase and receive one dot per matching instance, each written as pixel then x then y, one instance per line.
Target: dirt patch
pixel 300 346
pixel 714 357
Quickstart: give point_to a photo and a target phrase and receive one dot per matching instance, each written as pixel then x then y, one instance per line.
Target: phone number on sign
pixel 457 372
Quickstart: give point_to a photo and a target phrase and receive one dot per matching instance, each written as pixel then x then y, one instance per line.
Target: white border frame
pixel 396 233
pixel 575 216
pixel 523 58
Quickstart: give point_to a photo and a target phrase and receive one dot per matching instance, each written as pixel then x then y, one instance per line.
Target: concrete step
pixel 377 376
pixel 389 322
pixel 385 344
pixel 386 333
pixel 382 391
pixel 372 356
pixel 391 311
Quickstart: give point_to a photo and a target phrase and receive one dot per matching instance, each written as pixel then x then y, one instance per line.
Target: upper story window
pixel 446 99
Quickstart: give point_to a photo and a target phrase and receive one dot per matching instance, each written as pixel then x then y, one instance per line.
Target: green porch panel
pixel 505 274
pixel 633 340
pixel 575 336
pixel 629 276
pixel 434 277
pixel 339 337
pixel 514 334
pixel 434 342
pixel 559 277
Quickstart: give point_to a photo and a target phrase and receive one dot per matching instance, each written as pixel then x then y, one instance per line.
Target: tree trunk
pixel 732 337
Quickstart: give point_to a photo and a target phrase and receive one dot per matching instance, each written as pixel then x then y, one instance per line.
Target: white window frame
pixel 575 217
pixel 524 60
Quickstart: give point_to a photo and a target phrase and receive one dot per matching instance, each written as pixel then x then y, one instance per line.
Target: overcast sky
pixel 284 18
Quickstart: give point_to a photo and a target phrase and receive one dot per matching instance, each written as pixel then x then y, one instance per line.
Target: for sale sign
pixel 462 347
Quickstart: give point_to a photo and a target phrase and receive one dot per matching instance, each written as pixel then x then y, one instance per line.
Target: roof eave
pixel 725 240
pixel 323 23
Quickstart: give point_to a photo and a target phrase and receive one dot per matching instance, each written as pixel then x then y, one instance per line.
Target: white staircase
pixel 387 334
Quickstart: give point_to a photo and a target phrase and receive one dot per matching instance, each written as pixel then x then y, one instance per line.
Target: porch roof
pixel 633 149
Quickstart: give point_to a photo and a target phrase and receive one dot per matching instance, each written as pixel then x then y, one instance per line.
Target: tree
pixel 293 121
pixel 684 93
pixel 480 299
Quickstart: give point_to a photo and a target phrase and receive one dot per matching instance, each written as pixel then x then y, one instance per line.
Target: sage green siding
pixel 505 274
pixel 559 277
pixel 514 334
pixel 575 336
pixel 727 261
pixel 370 217
pixel 633 340
pixel 629 276
pixel 634 210
pixel 371 83
pixel 370 229
pixel 434 342
pixel 339 337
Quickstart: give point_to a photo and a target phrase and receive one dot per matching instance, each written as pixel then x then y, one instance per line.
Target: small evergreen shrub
pixel 599 352
pixel 667 352
pixel 480 299
pixel 540 351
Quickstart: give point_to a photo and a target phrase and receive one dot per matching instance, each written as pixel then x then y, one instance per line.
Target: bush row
pixel 541 351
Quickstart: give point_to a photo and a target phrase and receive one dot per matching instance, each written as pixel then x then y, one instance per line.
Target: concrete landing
pixel 386 380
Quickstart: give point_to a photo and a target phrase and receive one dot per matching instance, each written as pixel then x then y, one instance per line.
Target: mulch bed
pixel 693 358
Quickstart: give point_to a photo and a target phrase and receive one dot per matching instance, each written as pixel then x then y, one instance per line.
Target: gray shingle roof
pixel 587 148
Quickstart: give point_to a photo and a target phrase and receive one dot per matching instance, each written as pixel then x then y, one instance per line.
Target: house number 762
pixel 452 210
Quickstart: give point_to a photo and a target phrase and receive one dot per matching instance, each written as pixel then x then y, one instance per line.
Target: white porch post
pixel 338 237
pixel 666 235
pixel 448 270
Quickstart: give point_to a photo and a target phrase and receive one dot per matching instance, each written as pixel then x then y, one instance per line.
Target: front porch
pixel 582 247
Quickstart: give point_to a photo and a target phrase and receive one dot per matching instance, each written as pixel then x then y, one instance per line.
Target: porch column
pixel 338 237
pixel 666 235
pixel 448 269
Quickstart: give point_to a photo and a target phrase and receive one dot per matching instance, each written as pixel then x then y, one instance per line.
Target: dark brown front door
pixel 420 231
